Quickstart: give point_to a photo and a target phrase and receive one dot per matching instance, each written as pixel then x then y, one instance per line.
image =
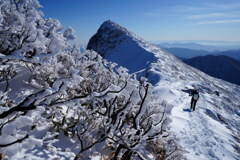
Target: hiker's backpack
pixel 195 96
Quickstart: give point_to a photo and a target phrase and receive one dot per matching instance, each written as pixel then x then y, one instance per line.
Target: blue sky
pixel 153 20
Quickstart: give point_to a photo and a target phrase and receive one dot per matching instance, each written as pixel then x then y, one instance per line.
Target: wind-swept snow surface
pixel 206 132
pixel 212 131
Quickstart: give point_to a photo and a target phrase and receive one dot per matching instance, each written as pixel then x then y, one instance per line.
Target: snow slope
pixel 213 130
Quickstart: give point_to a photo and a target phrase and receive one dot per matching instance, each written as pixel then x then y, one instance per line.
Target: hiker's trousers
pixel 193 104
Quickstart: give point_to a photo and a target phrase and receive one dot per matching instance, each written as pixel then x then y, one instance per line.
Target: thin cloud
pixel 220 21
pixel 214 15
pixel 152 14
pixel 207 7
pixel 230 6
pixel 184 8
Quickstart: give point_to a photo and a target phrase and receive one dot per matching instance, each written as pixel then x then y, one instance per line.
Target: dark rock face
pixel 222 67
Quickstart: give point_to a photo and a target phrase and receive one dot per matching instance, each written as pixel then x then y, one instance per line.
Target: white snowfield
pixel 212 131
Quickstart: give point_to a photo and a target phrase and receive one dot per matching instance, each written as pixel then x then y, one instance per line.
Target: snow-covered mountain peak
pixel 119 45
pixel 110 25
pixel 109 36
pixel 112 28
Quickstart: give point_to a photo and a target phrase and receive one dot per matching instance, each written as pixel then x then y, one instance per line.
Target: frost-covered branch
pixel 17 141
pixel 7 72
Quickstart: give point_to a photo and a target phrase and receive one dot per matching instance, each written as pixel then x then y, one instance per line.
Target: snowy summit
pixel 212 131
pixel 115 43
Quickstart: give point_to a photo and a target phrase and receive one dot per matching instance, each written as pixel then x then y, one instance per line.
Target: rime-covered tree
pixel 24 31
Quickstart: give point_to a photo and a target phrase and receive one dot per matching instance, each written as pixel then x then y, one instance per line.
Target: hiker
pixel 195 97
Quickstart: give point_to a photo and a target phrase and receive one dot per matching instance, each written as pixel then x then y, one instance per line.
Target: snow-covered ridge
pixel 212 131
pixel 112 38
pixel 110 34
pixel 111 28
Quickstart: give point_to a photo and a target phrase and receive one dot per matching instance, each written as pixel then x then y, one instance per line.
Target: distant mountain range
pixel 186 53
pixel 231 53
pixel 197 46
pixel 222 67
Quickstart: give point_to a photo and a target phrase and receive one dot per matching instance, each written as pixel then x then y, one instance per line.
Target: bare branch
pixel 141 106
pixel 8 121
